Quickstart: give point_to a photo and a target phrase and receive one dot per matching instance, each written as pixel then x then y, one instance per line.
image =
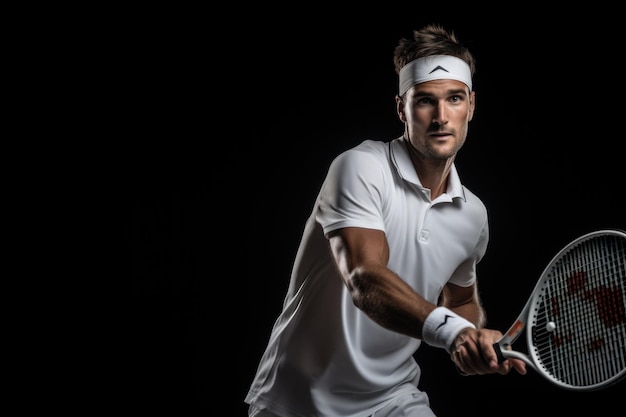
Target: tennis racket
pixel 575 318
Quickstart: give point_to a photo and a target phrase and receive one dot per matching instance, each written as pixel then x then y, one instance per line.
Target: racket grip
pixel 498 349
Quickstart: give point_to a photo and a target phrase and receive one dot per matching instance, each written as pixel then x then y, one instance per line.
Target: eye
pixel 425 101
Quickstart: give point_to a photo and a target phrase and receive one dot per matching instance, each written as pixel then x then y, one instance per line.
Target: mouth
pixel 441 135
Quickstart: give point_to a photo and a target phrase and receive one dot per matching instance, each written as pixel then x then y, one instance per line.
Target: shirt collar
pixel 402 161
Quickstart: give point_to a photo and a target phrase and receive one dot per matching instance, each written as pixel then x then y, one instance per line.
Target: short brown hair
pixel 432 39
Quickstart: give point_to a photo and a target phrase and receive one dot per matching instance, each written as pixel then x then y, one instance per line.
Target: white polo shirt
pixel 325 357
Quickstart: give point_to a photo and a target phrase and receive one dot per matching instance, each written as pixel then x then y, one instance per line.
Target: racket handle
pixel 511 354
pixel 498 349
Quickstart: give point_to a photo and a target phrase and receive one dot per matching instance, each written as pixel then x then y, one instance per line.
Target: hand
pixel 473 354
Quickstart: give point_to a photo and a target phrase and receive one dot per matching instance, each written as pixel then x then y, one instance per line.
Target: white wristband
pixel 442 326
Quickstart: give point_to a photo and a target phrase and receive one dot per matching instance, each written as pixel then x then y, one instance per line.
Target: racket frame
pixel 503 347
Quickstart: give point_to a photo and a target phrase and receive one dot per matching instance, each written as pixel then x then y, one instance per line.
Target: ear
pixel 400 109
pixel 472 105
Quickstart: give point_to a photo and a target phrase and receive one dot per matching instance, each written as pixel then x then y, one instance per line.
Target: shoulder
pixel 372 146
pixel 368 151
pixel 369 159
pixel 472 199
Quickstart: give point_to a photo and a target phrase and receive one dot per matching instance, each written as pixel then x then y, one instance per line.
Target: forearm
pixel 389 301
pixel 473 312
pixel 465 302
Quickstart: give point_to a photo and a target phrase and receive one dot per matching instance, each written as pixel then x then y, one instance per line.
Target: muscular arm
pixel 362 256
pixel 465 302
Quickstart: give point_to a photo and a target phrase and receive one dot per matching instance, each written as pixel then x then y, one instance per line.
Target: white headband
pixel 434 67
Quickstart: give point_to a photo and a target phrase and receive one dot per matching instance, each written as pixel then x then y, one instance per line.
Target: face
pixel 436 116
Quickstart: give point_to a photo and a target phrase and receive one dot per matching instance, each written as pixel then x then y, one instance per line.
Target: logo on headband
pixel 439 67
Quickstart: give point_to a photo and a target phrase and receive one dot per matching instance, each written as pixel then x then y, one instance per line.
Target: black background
pixel 236 118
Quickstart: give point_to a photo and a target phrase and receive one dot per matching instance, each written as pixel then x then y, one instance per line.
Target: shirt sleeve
pixel 465 274
pixel 352 192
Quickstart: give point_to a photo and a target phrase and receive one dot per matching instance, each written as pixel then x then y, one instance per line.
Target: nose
pixel 440 117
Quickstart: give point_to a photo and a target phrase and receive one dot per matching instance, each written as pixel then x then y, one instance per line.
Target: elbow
pixel 356 282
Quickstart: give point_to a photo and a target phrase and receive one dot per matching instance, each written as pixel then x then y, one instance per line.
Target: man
pixel 387 259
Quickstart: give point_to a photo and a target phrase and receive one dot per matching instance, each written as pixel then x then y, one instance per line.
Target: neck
pixel 433 173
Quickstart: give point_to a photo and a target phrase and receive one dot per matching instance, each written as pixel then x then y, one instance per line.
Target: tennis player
pixel 387 260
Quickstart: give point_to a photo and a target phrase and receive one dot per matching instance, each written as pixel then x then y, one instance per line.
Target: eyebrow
pixel 451 92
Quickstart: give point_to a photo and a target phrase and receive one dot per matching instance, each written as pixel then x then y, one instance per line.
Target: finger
pixel 489 354
pixel 473 359
pixel 518 365
pixel 459 357
pixel 504 368
pixel 476 356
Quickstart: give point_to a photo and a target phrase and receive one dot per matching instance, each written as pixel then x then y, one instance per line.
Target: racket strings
pixel 579 333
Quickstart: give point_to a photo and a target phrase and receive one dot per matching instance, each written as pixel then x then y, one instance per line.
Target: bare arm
pixel 465 302
pixel 362 256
